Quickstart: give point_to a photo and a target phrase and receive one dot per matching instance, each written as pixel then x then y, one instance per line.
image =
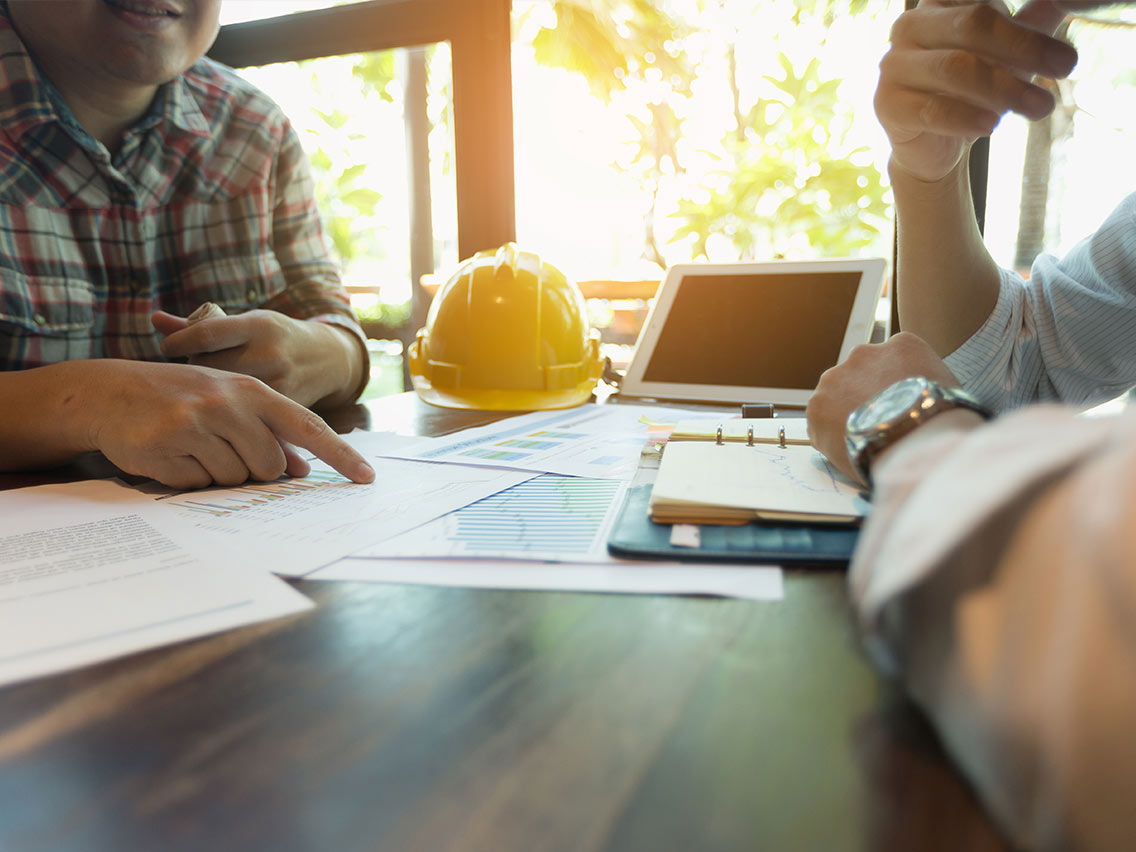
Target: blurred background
pixel 651 133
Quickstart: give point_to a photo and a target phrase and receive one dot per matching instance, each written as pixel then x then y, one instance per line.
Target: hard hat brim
pixel 477 399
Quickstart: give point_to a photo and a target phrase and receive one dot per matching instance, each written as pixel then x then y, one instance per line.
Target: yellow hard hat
pixel 506 332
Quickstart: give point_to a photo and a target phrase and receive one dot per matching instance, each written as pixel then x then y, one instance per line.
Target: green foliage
pixel 827 10
pixel 633 48
pixel 789 182
pixel 345 194
pixel 785 180
pixel 376 71
pixel 783 177
pixel 1125 77
pixel 612 44
pixel 385 314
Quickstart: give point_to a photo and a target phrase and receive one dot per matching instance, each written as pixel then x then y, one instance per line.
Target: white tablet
pixel 753 332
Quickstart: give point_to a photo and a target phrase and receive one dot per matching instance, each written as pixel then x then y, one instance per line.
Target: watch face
pixel 888 404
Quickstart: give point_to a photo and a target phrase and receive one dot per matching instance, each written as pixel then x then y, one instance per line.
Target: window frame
pixel 479 33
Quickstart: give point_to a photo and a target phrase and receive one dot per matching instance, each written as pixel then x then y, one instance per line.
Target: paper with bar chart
pixel 599 441
pixel 296 525
pixel 549 517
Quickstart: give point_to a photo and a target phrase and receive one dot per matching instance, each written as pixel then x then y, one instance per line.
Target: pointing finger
pixel 297 425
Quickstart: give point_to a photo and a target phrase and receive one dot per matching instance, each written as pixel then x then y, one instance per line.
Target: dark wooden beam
pixel 483 125
pixel 356 28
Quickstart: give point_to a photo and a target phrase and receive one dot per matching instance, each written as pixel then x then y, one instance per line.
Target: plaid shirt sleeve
pixel 313 291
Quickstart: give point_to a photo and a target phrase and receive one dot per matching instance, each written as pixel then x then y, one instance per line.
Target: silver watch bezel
pixel 865 440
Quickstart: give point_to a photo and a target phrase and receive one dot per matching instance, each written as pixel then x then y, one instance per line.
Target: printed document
pixel 95 570
pixel 293 526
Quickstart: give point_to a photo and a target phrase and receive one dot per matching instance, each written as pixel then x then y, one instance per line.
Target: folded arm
pixel 997 577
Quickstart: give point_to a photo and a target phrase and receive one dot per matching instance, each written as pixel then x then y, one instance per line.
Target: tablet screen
pixel 771 330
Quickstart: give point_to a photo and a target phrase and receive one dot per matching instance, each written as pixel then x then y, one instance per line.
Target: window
pixel 651 132
pixel 648 132
pixel 1052 182
pixel 399 193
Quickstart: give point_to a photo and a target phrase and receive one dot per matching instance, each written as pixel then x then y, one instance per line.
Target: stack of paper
pixel 94 570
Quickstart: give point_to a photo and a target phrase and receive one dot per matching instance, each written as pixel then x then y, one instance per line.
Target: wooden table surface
pixel 401 717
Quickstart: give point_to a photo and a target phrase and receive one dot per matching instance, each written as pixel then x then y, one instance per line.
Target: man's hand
pixel 867 370
pixel 189 427
pixel 955 67
pixel 309 362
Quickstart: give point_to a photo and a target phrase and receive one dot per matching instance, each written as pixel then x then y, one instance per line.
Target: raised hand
pixel 955 67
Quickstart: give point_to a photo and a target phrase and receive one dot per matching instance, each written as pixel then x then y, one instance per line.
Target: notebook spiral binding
pixel 749 437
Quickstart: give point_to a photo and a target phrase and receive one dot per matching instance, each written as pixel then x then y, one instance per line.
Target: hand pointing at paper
pixel 185 426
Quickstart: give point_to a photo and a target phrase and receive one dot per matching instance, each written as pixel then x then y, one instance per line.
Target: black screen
pixel 773 330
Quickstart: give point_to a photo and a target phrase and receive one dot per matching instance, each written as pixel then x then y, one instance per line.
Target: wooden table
pixel 402 717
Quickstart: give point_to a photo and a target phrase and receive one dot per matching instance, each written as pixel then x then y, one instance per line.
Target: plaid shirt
pixel 208 199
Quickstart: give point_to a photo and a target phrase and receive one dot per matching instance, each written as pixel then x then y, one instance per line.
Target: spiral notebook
pixel 743 473
pixel 635 536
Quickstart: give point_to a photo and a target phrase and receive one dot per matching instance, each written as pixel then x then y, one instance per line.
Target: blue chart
pixel 221 502
pixel 549 516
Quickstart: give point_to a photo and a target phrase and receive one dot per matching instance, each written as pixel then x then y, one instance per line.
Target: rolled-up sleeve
pixel 997 578
pixel 1069 333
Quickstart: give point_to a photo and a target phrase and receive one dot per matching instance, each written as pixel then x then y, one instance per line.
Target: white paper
pixel 686 535
pixel 590 440
pixel 548 518
pixel 295 526
pixel 762 583
pixel 95 570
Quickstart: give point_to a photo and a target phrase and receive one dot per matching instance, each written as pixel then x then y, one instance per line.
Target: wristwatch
pixel 894 412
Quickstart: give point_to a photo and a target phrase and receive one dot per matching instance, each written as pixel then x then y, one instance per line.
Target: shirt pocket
pixel 228 257
pixel 45 318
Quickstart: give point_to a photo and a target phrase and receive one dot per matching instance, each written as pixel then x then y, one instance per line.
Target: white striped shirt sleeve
pixel 1069 333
